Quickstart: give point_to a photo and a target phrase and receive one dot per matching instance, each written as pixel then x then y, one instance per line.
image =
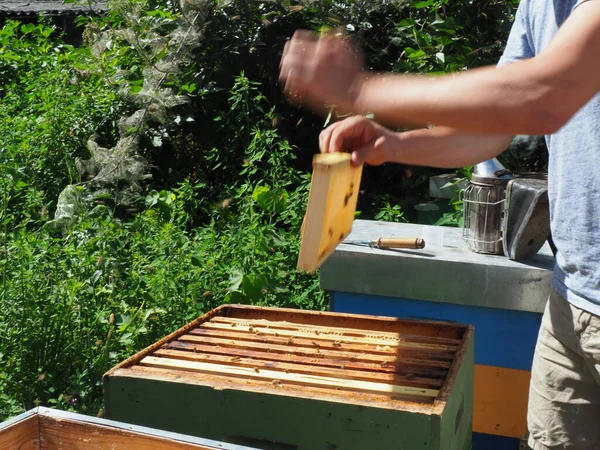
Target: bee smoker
pixel 483 203
pixel 505 213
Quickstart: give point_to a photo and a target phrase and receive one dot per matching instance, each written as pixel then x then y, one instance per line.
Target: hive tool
pixel 386 243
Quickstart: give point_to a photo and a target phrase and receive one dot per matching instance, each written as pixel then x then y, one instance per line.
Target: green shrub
pixel 51 104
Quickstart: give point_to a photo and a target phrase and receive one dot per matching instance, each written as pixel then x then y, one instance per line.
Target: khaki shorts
pixel 564 395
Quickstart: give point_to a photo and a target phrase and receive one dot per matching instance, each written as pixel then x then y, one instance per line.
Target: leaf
pixel 274 200
pixel 152 199
pixel 189 88
pixel 28 28
pixel 450 184
pixel 397 41
pixel 253 286
pixel 260 190
pixel 278 241
pixel 95 277
pixel 437 20
pixel 123 321
pixel 237 297
pixel 235 279
pixel 413 54
pixel 196 259
pixel 425 4
pixel 449 219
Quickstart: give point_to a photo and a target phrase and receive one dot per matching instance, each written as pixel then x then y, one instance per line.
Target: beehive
pixel 286 379
pixel 48 429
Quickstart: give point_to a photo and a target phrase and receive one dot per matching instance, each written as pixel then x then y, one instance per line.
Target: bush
pixel 75 305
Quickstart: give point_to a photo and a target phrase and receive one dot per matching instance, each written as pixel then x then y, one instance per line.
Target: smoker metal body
pixel 484 207
pixel 505 213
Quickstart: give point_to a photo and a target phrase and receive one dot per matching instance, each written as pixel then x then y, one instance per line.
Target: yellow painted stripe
pixel 500 401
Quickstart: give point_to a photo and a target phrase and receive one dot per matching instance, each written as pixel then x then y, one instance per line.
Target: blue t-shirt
pixel 574 166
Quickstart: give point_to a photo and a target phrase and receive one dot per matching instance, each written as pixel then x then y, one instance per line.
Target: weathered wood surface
pixel 320 347
pixel 159 378
pixel 331 206
pixel 66 434
pixel 21 435
pixel 405 366
pixel 49 429
pixel 269 420
pixel 281 377
pixel 36 6
pixel 301 368
pixel 348 335
pixel 359 323
pixel 346 324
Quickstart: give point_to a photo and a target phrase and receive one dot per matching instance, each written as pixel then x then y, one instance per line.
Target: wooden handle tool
pixel 383 243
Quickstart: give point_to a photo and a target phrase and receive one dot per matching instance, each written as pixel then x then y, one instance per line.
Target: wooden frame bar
pixel 331 206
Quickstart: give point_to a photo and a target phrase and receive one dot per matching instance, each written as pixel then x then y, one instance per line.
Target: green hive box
pixel 282 379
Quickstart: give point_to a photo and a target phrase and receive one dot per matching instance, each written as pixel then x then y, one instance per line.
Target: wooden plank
pixel 421 405
pixel 302 368
pixel 280 378
pixel 466 350
pixel 500 401
pixel 63 430
pixel 455 418
pixel 71 434
pixel 333 345
pixel 314 352
pixel 357 322
pixel 369 343
pixel 23 434
pixel 333 331
pixel 331 206
pixel 400 366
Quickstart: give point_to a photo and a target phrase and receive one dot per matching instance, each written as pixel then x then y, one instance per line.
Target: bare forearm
pixel 488 100
pixel 534 96
pixel 446 147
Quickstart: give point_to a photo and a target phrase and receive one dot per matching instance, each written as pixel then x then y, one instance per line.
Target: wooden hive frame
pixel 331 207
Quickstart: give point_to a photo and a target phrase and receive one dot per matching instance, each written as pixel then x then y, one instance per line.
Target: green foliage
pixel 390 212
pixel 146 53
pixel 74 306
pixel 51 104
pixel 76 303
pixel 455 217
